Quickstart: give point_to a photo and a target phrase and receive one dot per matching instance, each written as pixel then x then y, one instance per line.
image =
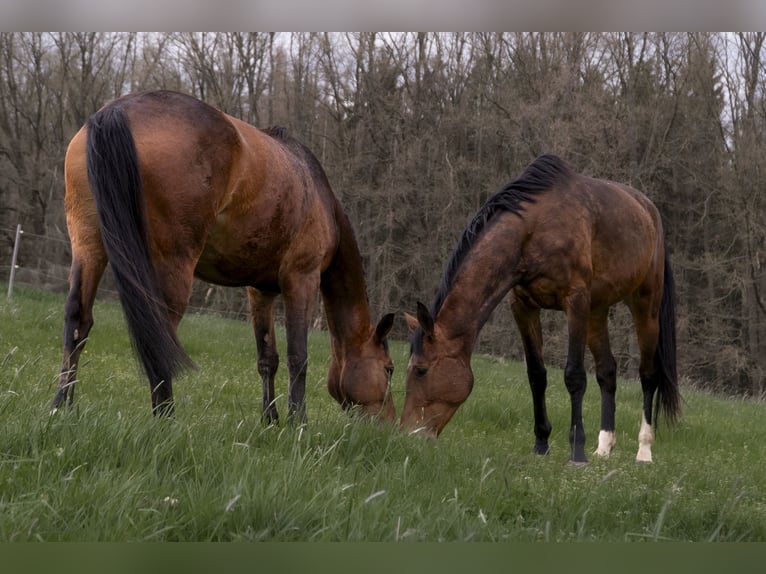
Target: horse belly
pixel 622 269
pixel 245 267
pixel 260 259
pixel 540 294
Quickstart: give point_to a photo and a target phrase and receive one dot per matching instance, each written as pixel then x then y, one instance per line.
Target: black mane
pixel 277 132
pixel 538 177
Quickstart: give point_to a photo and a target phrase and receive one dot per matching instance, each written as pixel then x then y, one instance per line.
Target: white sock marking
pixel 606 442
pixel 645 440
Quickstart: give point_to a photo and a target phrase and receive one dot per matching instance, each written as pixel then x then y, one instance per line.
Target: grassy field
pixel 106 470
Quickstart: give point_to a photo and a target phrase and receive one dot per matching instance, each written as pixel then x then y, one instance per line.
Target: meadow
pixel 106 470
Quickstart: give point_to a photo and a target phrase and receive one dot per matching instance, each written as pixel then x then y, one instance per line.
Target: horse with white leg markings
pixel 552 239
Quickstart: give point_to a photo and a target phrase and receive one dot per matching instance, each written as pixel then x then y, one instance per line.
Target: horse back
pixel 588 233
pixel 184 153
pixel 244 205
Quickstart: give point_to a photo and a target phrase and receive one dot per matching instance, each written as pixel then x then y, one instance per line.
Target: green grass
pixel 106 470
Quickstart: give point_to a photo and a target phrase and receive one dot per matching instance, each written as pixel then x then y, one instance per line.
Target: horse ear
pixel 384 327
pixel 425 319
pixel 412 322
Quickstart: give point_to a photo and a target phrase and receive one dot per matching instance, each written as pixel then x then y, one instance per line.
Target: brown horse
pixel 164 188
pixel 555 240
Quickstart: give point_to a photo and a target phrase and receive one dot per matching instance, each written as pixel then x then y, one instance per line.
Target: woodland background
pixel 416 130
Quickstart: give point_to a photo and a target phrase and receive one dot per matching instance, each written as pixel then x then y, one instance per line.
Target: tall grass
pixel 106 470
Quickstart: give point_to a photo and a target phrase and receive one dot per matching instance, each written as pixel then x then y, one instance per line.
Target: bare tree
pixel 416 130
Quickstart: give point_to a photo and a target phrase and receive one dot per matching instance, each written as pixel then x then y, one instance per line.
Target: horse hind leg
pixel 175 277
pixel 606 375
pixel 84 277
pixel 262 317
pixel 649 388
pixel 647 332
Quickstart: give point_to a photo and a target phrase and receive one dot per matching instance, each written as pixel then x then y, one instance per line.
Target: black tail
pixel 116 184
pixel 668 396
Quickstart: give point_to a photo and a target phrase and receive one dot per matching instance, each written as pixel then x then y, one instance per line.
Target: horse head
pixel 439 376
pixel 360 375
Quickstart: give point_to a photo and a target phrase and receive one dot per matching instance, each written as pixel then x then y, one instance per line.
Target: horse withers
pixel 552 239
pixel 164 187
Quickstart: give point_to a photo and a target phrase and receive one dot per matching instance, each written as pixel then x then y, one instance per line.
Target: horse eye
pixel 389 372
pixel 421 372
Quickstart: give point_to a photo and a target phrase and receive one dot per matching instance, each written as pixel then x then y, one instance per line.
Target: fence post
pixel 14 258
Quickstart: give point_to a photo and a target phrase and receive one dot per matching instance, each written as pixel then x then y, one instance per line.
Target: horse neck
pixel 486 275
pixel 344 292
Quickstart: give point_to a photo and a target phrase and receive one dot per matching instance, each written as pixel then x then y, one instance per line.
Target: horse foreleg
pixel 606 374
pixel 528 323
pixel 262 317
pixel 299 297
pixel 84 277
pixel 577 310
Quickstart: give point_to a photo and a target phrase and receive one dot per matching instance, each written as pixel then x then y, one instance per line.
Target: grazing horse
pixel 553 239
pixel 165 187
